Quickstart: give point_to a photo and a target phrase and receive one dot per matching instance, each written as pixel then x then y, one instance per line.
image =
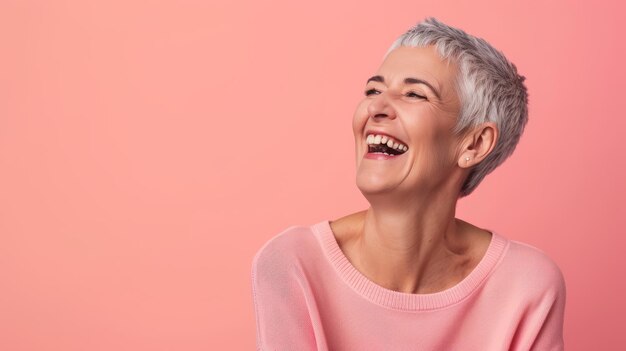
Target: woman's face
pixel 411 98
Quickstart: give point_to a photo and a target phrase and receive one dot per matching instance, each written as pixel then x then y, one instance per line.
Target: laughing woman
pixel 443 110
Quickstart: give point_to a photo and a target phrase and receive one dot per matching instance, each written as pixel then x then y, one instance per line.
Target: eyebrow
pixel 409 80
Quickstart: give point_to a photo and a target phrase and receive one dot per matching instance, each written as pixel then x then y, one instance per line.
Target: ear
pixel 477 144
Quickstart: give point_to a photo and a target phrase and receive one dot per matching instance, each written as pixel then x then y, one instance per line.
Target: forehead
pixel 418 62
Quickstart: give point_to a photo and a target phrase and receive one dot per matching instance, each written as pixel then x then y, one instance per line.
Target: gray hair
pixel 488 85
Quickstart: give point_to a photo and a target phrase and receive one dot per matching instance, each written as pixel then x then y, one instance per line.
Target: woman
pixel 442 111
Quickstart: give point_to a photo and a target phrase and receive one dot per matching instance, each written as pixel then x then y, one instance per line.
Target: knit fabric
pixel 308 296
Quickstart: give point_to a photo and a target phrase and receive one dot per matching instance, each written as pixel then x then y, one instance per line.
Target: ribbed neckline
pixel 400 300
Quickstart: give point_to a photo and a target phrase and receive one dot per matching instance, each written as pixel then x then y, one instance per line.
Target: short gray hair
pixel 488 85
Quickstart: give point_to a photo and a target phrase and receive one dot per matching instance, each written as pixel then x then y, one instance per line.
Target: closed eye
pixel 412 94
pixel 371 91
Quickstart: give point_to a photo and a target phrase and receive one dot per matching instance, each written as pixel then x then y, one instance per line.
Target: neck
pixel 410 245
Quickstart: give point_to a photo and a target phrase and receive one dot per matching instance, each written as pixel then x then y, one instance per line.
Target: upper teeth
pixel 383 139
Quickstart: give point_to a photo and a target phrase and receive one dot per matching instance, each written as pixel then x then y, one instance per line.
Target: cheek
pixel 433 142
pixel 445 149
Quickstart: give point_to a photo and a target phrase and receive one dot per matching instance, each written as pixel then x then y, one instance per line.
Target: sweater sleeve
pixel 282 318
pixel 550 335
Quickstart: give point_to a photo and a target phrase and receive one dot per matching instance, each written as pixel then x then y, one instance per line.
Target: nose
pixel 380 107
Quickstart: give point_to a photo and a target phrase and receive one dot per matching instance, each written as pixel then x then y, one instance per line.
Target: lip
pixel 377 156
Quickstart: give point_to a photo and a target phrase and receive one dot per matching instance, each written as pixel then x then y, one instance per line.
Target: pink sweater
pixel 308 296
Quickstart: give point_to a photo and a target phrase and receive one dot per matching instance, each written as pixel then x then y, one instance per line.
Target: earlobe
pixel 466 161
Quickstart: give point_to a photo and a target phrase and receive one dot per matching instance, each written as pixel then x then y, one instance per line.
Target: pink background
pixel 148 149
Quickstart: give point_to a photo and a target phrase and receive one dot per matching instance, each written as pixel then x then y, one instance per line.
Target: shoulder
pixel 284 248
pixel 532 269
pixel 281 293
pixel 529 289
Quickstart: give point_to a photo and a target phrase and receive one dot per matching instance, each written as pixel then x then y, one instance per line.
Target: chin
pixel 369 184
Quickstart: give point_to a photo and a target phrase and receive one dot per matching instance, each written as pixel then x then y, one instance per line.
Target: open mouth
pixel 386 145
